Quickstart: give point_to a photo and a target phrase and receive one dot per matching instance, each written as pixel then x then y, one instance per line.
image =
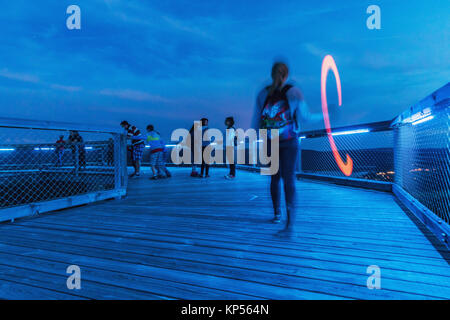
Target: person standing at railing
pixel 59 149
pixel 230 145
pixel 137 147
pixel 279 106
pixel 78 148
pixel 157 159
pixel 194 172
pixel 204 169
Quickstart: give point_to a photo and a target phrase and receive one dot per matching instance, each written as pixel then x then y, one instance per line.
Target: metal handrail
pixel 372 126
pixel 55 125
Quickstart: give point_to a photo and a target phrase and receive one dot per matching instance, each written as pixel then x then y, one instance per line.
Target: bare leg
pixel 138 167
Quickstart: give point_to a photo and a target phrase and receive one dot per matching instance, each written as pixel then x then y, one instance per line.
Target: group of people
pixel 78 148
pixel 205 167
pixel 157 146
pixel 76 144
pixel 159 152
pixel 279 106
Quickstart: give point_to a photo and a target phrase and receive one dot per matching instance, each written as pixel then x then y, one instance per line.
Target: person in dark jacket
pixel 77 146
pixel 230 145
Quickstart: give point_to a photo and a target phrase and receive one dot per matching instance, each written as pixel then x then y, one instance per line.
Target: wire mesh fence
pixel 370 148
pixel 422 158
pixel 40 163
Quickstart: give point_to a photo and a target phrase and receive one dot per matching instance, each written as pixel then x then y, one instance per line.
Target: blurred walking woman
pixel 280 106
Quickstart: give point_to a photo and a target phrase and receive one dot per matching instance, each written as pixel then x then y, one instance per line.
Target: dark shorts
pixel 137 152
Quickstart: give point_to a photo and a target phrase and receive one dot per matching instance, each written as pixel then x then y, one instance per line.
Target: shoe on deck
pixel 277 218
pixel 287 232
pixel 229 177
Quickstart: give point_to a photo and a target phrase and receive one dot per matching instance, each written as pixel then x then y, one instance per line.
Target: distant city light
pixel 341 133
pixel 88 148
pixel 428 118
pixel 7 149
pixel 44 149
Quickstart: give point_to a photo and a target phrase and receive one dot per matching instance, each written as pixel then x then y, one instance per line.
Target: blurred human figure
pixel 59 149
pixel 280 106
pixel 137 147
pixel 230 143
pixel 78 148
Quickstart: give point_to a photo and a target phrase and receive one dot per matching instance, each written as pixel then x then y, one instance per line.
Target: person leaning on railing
pixel 59 148
pixel 76 144
pixel 137 147
pixel 157 155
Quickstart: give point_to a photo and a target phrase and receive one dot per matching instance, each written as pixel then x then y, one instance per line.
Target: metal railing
pixel 412 152
pixel 370 146
pixel 40 172
pixel 422 152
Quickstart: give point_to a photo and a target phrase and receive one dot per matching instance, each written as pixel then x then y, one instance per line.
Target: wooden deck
pixel 187 238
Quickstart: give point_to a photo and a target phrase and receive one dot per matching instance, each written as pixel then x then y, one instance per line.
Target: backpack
pixel 276 114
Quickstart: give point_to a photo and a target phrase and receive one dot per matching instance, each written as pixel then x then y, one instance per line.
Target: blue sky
pixel 169 62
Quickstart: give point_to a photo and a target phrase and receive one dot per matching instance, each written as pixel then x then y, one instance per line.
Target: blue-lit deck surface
pixel 188 238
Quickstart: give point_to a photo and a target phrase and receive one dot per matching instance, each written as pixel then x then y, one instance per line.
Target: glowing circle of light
pixel 327 65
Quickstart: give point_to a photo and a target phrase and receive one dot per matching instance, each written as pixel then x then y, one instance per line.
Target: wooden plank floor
pixel 187 238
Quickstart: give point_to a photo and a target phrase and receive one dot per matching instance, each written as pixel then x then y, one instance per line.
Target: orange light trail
pixel 327 65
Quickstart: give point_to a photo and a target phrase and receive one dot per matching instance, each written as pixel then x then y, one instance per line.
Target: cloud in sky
pixel 133 95
pixel 5 73
pixel 181 59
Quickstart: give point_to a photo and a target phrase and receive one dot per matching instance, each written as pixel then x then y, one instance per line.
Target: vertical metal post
pixel 299 156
